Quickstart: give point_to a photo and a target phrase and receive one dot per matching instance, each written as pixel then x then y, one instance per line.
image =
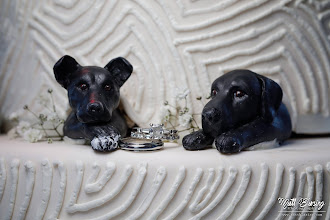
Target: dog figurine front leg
pixel 103 137
pixel 197 140
pixel 257 131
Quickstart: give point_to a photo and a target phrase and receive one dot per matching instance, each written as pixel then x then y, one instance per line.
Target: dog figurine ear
pixel 120 68
pixel 63 68
pixel 271 97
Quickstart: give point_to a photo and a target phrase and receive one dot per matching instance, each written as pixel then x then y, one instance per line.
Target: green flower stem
pixel 195 122
pixel 41 122
pixel 52 100
pixel 173 127
pixel 58 133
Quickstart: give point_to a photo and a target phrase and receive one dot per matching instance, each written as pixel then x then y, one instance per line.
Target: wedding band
pixel 133 144
pixel 155 132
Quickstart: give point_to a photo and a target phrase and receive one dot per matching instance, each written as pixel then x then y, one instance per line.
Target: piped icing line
pixel 328 210
pixel 212 8
pixel 239 193
pixel 3 177
pixel 208 196
pixel 322 44
pixel 289 192
pixel 71 17
pixel 317 64
pixel 152 56
pixel 179 67
pixel 245 22
pixel 106 32
pixel 61 191
pixel 300 191
pixel 214 187
pixel 95 173
pixel 137 187
pixel 14 166
pixel 249 51
pixel 99 184
pixel 310 191
pixel 265 57
pixel 30 179
pixel 274 196
pixel 159 178
pixel 259 193
pixel 14 53
pixel 117 22
pixel 89 33
pixel 65 4
pixel 208 22
pixel 191 190
pixel 47 174
pixel 318 188
pixel 174 188
pixel 83 207
pixel 203 191
pixel 77 185
pixel 306 67
pixel 230 180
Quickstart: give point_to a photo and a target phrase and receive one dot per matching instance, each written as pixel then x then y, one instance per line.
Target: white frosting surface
pixel 65 181
pixel 183 43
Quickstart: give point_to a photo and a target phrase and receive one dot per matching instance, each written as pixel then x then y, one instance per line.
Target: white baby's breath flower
pixel 185 120
pixel 181 93
pixel 43 100
pixel 165 113
pixel 22 127
pixel 33 135
pixel 52 117
pixel 13 116
pixel 12 133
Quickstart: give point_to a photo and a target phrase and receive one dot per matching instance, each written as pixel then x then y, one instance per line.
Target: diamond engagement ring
pixel 156 131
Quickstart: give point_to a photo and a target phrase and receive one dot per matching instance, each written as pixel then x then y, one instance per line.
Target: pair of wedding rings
pixel 148 139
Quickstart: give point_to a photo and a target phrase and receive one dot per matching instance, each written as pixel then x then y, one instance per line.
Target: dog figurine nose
pixel 211 115
pixel 95 108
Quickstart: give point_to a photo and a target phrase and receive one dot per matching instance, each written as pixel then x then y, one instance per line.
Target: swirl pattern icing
pixel 113 189
pixel 171 44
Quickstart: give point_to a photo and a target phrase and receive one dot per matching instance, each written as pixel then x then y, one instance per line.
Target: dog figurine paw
pixel 246 109
pixel 94 97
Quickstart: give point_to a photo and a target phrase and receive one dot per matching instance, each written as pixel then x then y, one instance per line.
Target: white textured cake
pixel 182 44
pixel 53 181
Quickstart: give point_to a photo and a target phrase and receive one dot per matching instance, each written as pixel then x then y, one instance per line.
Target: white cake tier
pixel 66 181
pixel 182 43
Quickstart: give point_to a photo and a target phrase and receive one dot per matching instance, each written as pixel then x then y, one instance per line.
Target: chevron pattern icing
pixel 170 44
pixel 203 191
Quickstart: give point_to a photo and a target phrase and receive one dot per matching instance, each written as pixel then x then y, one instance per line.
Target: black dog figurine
pixel 94 98
pixel 246 109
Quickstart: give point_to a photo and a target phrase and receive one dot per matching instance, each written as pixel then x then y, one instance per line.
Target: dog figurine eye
pixel 107 88
pixel 239 94
pixel 214 92
pixel 83 86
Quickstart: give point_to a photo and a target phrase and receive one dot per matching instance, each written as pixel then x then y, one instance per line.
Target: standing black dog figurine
pixel 94 97
pixel 246 109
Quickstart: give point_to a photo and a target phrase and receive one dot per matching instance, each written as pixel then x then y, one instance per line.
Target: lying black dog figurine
pixel 246 109
pixel 94 97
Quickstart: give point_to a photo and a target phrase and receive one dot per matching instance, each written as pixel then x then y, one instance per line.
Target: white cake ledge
pixel 66 181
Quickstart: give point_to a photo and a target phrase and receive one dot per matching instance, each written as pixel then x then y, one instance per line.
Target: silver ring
pixel 133 144
pixel 155 132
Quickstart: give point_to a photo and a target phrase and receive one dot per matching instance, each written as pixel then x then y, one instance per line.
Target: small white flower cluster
pixel 25 130
pixel 185 120
pixel 179 114
pixel 182 93
pixel 47 126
